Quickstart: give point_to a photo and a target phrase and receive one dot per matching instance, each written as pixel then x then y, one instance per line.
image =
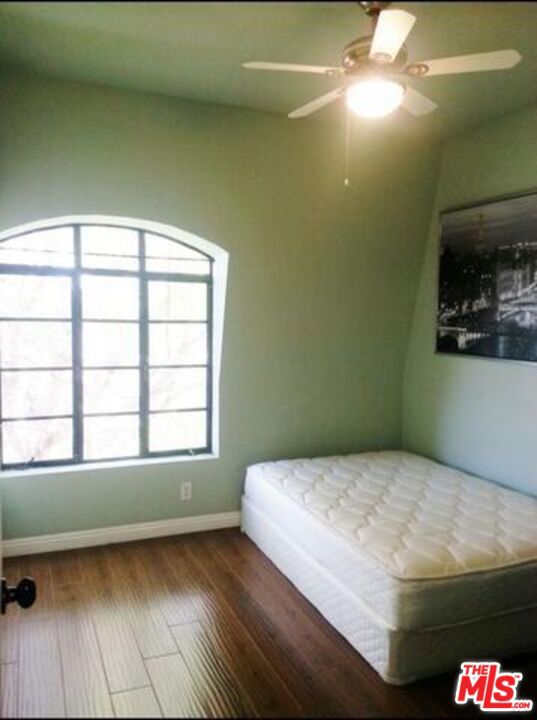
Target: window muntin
pixel 105 346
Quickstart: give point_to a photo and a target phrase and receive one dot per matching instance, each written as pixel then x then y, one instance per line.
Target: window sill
pixel 107 465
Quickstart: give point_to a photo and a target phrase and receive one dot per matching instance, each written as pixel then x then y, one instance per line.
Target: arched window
pixel 110 335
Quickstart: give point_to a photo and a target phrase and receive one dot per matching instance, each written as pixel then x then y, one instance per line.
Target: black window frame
pixel 77 368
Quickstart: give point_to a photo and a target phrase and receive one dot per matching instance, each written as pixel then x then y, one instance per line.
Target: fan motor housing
pixel 355 58
pixel 373 7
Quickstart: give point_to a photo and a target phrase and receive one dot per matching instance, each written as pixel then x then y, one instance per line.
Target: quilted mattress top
pixel 415 517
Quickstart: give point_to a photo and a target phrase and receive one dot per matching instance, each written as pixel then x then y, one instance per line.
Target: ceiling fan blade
pixel 478 62
pixel 393 27
pixel 416 103
pixel 288 67
pixel 316 104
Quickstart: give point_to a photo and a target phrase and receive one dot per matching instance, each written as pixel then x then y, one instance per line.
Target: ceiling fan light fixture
pixel 374 98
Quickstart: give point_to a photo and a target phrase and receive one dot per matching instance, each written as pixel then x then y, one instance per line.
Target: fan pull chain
pixel 347 147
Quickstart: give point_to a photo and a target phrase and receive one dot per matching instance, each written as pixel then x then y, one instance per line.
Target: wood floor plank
pixel 139 703
pixel 140 608
pixel 67 569
pixel 283 656
pixel 85 686
pixel 9 636
pixel 265 689
pixel 182 596
pixel 40 688
pixel 174 687
pixel 9 675
pixel 221 695
pixel 121 656
pixel 122 659
pixel 242 627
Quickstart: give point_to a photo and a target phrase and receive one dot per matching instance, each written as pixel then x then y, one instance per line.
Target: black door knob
pixel 24 593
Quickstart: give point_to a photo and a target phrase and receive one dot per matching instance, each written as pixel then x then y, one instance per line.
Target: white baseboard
pixel 118 534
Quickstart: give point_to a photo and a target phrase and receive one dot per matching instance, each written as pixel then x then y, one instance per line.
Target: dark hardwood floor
pixel 197 625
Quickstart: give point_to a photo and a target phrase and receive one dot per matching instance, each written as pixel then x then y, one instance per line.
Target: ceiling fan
pixel 375 68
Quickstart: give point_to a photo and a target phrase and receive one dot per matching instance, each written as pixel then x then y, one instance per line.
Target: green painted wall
pixel 321 281
pixel 476 414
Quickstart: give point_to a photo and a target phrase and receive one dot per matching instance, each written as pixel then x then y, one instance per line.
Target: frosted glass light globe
pixel 374 98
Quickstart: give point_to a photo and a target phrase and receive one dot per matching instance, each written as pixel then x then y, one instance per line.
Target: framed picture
pixel 487 280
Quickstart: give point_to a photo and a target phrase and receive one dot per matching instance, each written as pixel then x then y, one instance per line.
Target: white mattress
pixel 421 545
pixel 399 656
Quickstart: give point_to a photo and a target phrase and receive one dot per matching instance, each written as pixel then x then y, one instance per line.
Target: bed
pixel 419 566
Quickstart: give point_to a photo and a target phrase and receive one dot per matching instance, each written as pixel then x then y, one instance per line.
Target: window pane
pixel 177 301
pixel 177 431
pixel 177 344
pixel 108 391
pixel 37 296
pixel 115 298
pixel 37 440
pixel 35 344
pixel 157 246
pixel 46 247
pixel 36 393
pixel 111 437
pixel 176 389
pixel 110 343
pixel 109 247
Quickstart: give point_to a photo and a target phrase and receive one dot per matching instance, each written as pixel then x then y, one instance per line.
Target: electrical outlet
pixel 186 490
